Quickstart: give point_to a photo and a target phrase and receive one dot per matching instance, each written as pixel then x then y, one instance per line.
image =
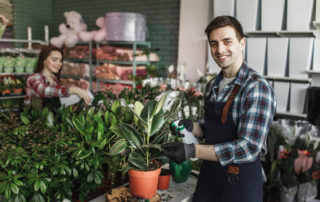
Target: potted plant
pixel 17 86
pixel 144 138
pixel 164 179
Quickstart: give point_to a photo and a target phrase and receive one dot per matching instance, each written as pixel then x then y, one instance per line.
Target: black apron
pixel 230 183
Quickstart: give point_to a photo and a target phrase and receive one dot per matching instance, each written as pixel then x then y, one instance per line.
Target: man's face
pixel 226 49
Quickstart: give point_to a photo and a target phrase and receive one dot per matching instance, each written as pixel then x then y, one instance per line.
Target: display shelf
pixel 115 81
pixel 15 74
pixel 75 77
pixel 8 97
pixel 22 41
pixel 288 79
pixel 75 60
pixel 134 62
pixel 291 115
pixel 123 62
pixel 283 33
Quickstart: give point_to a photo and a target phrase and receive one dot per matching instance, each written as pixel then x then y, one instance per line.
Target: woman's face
pixel 53 63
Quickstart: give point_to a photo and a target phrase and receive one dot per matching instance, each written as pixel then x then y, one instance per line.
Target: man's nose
pixel 221 48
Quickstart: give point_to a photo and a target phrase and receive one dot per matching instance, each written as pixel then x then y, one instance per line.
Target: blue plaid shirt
pixel 253 110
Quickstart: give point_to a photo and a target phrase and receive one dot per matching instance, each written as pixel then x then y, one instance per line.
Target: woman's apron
pixel 230 183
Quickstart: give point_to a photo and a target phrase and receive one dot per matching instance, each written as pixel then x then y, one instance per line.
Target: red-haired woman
pixel 45 82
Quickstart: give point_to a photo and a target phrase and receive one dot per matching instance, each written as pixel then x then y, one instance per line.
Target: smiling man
pixel 239 108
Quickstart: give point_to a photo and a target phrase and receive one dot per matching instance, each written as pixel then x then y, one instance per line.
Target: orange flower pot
pixel 17 90
pixel 144 183
pixel 164 179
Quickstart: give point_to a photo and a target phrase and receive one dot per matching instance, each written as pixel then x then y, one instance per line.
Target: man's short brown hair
pixel 222 21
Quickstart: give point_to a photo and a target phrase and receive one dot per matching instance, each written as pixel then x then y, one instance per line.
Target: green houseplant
pixel 146 134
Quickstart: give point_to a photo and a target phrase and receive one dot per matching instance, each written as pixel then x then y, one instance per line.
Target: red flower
pixel 316 175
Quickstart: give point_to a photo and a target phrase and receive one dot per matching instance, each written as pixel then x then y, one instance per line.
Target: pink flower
pixel 302 163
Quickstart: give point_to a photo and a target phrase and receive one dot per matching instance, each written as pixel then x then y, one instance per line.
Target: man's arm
pixel 206 152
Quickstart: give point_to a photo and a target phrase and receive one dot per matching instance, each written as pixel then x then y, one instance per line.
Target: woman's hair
pixel 43 55
pixel 222 21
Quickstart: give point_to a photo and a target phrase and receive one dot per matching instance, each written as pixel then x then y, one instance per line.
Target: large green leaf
pixel 115 106
pixel 90 113
pixel 24 119
pixel 129 133
pixel 106 119
pixel 100 131
pixel 118 147
pixel 50 119
pixel 138 107
pixel 157 122
pixel 137 160
pixel 142 121
pixel 79 126
pixel 159 105
pixel 97 117
pixel 44 114
pixel 147 111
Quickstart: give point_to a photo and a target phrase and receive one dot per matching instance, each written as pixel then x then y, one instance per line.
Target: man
pixel 239 108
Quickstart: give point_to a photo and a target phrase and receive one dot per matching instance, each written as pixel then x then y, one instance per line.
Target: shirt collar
pixel 239 78
pixel 45 78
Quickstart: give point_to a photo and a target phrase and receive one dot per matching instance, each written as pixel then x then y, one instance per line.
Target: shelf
pixel 75 77
pixel 115 81
pixel 288 79
pixel 22 41
pixel 124 43
pixel 76 60
pixel 124 62
pixel 11 97
pixel 291 115
pixel 281 33
pixel 313 72
pixel 15 74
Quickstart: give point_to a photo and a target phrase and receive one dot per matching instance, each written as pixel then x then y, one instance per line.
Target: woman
pixel 45 82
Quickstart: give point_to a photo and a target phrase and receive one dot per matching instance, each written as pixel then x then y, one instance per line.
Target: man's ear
pixel 243 42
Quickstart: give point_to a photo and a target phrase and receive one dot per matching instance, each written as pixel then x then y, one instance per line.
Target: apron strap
pixel 225 110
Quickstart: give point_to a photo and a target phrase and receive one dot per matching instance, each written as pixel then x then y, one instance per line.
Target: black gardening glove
pixel 184 122
pixel 179 152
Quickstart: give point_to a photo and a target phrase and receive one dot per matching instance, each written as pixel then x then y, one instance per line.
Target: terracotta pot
pixel 17 90
pixel 143 183
pixel 164 179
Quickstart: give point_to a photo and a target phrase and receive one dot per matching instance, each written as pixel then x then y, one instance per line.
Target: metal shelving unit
pixel 134 63
pixel 90 61
pixel 29 42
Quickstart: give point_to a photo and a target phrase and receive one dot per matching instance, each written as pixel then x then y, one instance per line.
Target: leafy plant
pixel 149 130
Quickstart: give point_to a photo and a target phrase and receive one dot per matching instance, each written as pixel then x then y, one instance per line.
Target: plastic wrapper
pixel 125 26
pixel 173 101
pixel 288 194
pixel 31 63
pixel 306 192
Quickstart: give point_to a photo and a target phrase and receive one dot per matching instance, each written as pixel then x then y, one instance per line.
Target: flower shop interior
pixel 145 65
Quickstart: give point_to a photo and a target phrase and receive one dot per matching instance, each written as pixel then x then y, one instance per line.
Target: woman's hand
pixel 84 94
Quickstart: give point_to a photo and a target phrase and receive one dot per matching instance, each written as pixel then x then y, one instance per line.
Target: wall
pixel 34 13
pixel 194 17
pixel 162 19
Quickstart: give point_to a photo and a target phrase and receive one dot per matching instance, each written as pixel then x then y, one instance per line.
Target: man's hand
pixel 179 152
pixel 184 122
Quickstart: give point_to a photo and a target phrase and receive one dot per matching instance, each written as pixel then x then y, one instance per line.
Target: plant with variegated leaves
pixel 143 137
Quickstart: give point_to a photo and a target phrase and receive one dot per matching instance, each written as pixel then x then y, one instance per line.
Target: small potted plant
pixel 164 179
pixel 144 138
pixel 17 86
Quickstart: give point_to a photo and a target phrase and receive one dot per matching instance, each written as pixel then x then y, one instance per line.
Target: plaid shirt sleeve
pixel 256 114
pixel 37 86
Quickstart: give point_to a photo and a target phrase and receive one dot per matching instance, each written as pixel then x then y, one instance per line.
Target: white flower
pixel 200 73
pixel 171 69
